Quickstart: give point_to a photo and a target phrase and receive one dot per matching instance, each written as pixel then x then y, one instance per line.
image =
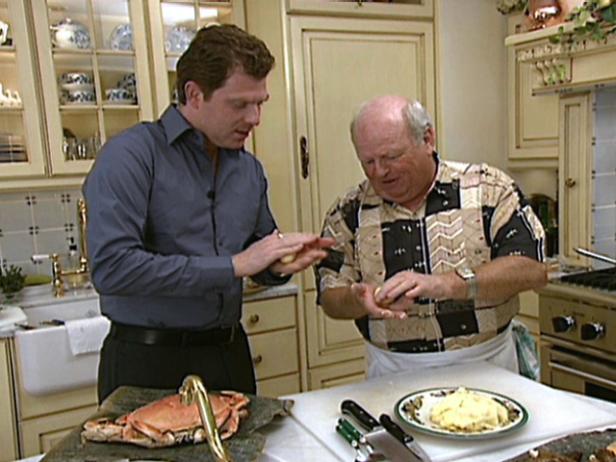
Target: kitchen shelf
pixel 78 108
pixel 120 107
pixel 11 110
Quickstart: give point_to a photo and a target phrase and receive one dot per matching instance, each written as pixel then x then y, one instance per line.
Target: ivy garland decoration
pixel 594 20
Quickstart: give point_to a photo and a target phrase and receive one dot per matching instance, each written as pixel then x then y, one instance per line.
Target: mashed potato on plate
pixel 468 411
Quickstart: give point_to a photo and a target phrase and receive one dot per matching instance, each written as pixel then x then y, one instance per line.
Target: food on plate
pixel 168 422
pixel 468 411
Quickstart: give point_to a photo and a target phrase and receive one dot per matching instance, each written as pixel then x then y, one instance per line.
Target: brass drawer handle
pixel 257 359
pixel 253 319
pixel 570 182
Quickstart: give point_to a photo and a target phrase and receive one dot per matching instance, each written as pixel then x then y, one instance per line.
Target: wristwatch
pixel 468 275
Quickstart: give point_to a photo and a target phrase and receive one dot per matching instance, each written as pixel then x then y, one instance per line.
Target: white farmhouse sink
pixel 45 363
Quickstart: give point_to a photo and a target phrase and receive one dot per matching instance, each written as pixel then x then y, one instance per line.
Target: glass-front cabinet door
pixel 95 76
pixel 21 132
pixel 174 24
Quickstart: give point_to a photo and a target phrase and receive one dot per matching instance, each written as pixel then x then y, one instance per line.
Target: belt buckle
pixel 232 335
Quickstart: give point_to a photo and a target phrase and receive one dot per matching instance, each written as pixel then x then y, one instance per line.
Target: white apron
pixel 499 351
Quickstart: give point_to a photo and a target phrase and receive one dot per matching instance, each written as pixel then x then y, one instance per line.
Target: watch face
pixel 465 272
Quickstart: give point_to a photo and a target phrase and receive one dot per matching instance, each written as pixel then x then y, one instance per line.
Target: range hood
pixel 586 65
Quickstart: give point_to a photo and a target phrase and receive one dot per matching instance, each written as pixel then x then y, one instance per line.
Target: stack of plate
pixel 12 148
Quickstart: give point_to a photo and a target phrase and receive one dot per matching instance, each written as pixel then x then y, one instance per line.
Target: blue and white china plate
pixel 414 410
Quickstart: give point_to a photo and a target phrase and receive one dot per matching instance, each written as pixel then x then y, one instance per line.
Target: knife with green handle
pixel 353 437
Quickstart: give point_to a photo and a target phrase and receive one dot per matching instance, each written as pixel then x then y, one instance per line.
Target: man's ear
pixel 193 93
pixel 430 138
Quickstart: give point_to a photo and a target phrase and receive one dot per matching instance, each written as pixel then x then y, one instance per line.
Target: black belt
pixel 172 337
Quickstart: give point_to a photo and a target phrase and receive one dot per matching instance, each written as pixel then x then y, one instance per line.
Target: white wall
pixel 472 119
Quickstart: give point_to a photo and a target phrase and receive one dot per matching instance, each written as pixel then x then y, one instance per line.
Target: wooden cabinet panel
pixel 8 430
pixel 274 353
pixel 271 314
pixel 31 406
pixel 533 120
pixel 574 187
pixel 339 63
pixel 396 8
pixel 337 374
pixel 40 434
pixel 279 386
pixel 77 128
pixel 21 123
pixel 329 340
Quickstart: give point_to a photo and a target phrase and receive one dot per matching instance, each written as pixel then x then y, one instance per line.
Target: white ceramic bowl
pixel 121 37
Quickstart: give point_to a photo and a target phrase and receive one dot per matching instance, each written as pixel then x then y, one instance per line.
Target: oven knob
pixel 592 331
pixel 563 323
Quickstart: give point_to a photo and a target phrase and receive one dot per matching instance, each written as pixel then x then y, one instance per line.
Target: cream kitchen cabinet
pixel 8 430
pixel 394 8
pixel 172 23
pixel 22 151
pixel 338 63
pixel 533 119
pixel 43 420
pixel 574 182
pixel 96 85
pixel 330 340
pixel 271 325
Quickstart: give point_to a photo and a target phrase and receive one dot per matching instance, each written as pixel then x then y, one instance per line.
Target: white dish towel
pixel 87 335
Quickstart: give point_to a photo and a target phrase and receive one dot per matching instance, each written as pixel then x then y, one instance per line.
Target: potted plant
pixel 11 282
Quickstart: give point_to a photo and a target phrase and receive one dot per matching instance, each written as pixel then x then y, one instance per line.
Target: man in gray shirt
pixel 177 215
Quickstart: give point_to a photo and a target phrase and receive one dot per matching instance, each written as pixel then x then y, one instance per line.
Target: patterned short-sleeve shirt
pixel 473 214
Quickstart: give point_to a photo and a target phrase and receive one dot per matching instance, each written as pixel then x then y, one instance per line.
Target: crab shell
pixel 168 422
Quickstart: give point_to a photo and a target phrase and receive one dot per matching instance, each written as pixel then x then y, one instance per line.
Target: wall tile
pixel 605 156
pixel 605 120
pixel 37 222
pixel 17 246
pixel 605 98
pixel 16 214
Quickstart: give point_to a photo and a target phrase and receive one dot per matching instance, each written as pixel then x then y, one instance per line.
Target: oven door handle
pixel 584 375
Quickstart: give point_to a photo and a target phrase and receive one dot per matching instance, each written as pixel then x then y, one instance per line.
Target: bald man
pixel 430 255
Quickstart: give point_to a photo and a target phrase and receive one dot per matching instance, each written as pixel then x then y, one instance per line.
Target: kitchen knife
pixel 364 452
pixel 397 432
pixel 379 437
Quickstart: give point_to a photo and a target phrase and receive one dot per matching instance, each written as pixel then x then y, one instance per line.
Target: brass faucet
pixel 57 273
pixel 192 390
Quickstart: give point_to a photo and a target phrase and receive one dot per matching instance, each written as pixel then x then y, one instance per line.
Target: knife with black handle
pixel 396 430
pixel 394 446
pixel 350 407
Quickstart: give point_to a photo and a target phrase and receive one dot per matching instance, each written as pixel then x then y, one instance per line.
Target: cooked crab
pixel 168 422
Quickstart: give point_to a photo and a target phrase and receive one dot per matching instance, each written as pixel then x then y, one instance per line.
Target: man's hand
pixel 364 296
pixel 307 248
pixel 311 253
pixel 403 288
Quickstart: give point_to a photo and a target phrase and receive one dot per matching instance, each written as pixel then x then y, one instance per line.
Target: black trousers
pixel 221 367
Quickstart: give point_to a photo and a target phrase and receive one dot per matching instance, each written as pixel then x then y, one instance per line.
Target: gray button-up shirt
pixel 162 226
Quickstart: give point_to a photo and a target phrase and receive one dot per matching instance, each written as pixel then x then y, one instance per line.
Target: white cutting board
pixel 552 412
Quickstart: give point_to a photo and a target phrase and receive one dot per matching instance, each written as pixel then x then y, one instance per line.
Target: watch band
pixel 469 276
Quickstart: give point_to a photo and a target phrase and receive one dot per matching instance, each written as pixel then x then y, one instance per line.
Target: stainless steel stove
pixel 604 280
pixel 577 322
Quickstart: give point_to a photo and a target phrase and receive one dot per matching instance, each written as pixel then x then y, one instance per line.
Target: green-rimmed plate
pixel 415 408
